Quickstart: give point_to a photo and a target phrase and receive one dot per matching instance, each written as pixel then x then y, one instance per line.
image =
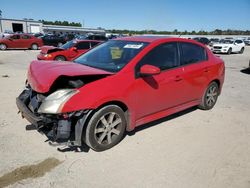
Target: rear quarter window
pixel 192 53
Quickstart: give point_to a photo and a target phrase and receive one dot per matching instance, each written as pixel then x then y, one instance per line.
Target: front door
pixel 163 91
pixel 81 47
pixel 15 42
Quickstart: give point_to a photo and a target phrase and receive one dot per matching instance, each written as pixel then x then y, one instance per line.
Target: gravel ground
pixel 191 149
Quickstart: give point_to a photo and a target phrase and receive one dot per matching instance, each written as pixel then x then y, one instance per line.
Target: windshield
pixel 68 45
pixel 111 56
pixel 226 41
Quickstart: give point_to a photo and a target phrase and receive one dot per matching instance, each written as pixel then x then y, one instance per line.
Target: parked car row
pixel 28 41
pixel 68 51
pixel 228 45
pixel 22 41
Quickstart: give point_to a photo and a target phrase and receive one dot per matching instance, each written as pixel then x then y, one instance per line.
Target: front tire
pixel 229 51
pixel 106 128
pixel 210 97
pixel 3 47
pixel 60 58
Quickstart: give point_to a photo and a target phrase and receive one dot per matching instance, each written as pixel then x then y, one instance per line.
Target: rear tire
pixel 229 51
pixel 3 46
pixel 105 128
pixel 210 96
pixel 60 58
pixel 34 47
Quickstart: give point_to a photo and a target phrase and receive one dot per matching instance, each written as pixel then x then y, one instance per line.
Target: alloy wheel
pixel 3 46
pixel 108 128
pixel 211 96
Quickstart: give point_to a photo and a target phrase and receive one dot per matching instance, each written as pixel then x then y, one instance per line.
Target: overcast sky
pixel 136 14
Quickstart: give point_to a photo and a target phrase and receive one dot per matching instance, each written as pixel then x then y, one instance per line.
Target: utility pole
pixel 82 23
pixel 1 21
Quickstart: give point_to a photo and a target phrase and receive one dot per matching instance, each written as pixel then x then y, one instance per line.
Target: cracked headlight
pixel 54 102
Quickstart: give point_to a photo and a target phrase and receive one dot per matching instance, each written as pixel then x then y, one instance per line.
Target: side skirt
pixel 166 112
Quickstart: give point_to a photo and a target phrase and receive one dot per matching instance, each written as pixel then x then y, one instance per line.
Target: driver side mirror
pixel 73 49
pixel 149 70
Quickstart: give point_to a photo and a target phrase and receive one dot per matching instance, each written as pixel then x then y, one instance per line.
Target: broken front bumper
pixel 63 128
pixel 27 114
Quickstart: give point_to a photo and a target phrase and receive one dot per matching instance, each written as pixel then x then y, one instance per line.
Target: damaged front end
pixel 49 87
pixel 44 111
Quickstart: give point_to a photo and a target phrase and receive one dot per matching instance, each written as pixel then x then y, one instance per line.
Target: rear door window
pixel 238 41
pixel 83 46
pixel 26 37
pixel 93 44
pixel 192 53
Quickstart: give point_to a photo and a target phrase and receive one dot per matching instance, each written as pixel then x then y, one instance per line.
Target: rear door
pixel 26 41
pixel 196 69
pixel 239 44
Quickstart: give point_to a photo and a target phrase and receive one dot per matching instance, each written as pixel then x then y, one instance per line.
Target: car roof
pixel 142 38
pixel 151 39
pixel 83 40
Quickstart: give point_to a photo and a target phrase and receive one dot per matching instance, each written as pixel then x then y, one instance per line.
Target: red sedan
pixel 119 85
pixel 68 51
pixel 20 41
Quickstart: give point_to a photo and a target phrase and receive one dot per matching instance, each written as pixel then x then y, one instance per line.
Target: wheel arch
pixel 81 124
pixel 61 56
pixel 4 44
pixel 123 106
pixel 217 81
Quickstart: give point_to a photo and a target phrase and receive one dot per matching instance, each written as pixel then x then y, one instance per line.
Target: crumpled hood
pixel 42 74
pixel 49 49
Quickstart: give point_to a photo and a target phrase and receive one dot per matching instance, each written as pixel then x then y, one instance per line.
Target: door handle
pixel 206 69
pixel 178 78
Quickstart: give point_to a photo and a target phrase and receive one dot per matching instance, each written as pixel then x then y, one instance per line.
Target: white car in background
pixel 247 41
pixel 229 46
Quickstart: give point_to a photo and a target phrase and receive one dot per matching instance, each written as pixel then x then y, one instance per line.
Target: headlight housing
pixel 47 55
pixel 53 104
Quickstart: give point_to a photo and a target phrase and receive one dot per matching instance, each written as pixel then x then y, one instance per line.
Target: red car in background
pixel 68 51
pixel 117 86
pixel 19 41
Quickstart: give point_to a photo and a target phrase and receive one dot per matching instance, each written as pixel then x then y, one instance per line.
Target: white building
pixel 32 26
